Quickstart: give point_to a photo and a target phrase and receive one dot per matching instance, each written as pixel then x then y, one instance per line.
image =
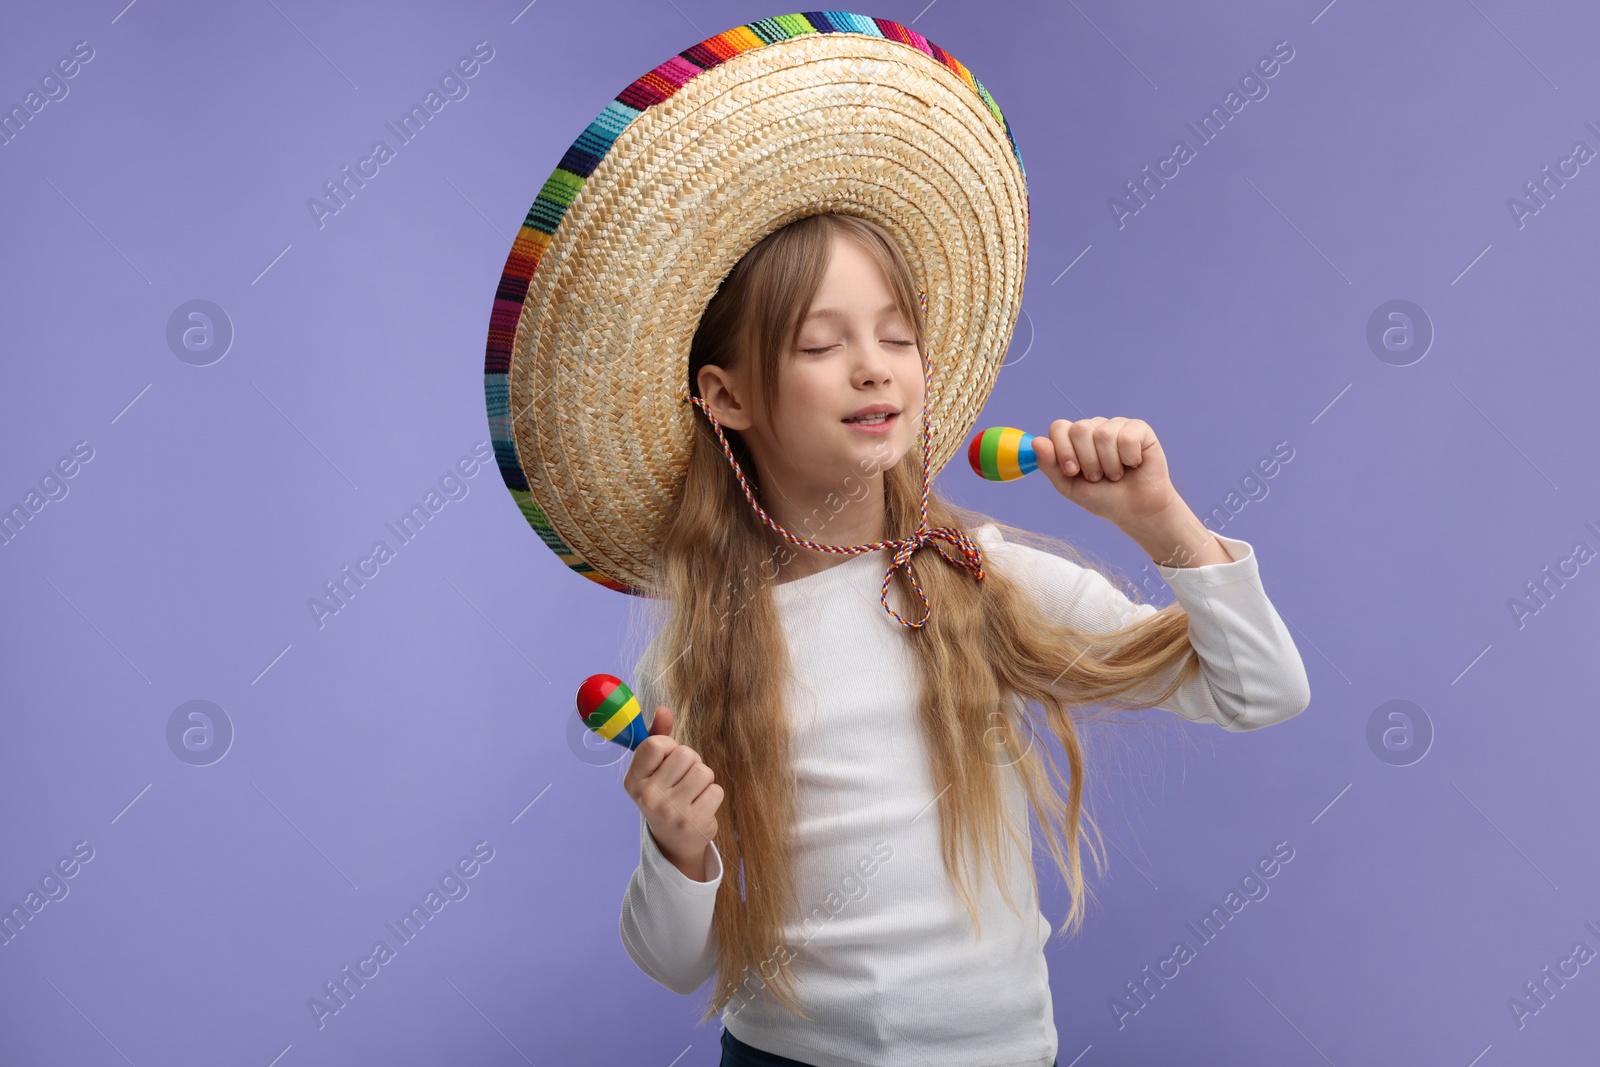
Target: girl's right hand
pixel 677 794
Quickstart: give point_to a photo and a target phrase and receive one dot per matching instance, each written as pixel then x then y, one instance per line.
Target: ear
pixel 725 395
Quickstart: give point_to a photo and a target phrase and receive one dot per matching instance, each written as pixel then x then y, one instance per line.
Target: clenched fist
pixel 1112 468
pixel 677 794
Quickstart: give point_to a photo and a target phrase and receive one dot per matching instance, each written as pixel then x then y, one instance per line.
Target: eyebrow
pixel 837 313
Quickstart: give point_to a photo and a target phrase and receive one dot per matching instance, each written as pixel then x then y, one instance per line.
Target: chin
pixel 893 453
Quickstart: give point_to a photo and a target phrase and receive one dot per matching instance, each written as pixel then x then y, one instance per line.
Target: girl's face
pixel 855 355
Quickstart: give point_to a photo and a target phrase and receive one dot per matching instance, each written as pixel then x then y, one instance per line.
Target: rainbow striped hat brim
pixel 683 172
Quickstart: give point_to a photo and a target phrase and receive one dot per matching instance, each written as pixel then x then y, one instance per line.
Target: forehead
pixel 841 313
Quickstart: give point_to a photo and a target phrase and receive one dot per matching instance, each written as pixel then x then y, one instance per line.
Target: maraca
pixel 1003 453
pixel 608 707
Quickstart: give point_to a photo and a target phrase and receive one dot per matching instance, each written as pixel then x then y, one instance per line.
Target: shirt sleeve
pixel 666 915
pixel 1251 674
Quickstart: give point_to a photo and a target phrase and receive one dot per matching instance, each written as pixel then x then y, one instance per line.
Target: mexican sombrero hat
pixel 677 177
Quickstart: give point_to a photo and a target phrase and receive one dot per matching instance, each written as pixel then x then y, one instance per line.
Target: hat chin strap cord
pixel 971 556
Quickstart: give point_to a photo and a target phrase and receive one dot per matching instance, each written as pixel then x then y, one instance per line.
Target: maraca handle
pixel 1003 453
pixel 608 707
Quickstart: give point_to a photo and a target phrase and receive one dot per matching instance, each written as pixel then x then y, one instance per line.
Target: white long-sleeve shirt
pixel 886 957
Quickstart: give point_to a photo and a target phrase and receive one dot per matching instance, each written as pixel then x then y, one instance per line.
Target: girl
pixel 837 800
pixel 835 797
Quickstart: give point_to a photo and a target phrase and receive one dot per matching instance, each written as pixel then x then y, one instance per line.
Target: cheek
pixel 811 396
pixel 914 396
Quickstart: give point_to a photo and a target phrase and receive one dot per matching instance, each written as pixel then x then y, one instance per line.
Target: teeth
pixel 870 419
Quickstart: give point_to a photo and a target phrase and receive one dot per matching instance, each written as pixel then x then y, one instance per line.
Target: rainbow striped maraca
pixel 1003 453
pixel 608 707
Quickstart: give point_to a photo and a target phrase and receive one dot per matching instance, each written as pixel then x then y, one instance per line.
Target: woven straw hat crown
pixel 680 175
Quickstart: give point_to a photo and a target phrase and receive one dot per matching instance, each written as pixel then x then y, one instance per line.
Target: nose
pixel 872 366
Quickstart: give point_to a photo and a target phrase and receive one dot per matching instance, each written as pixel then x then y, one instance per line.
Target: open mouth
pixel 873 423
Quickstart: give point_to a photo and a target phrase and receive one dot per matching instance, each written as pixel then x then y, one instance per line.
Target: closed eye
pixel 814 351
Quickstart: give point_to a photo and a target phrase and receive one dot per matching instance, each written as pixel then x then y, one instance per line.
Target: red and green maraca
pixel 608 707
pixel 1003 453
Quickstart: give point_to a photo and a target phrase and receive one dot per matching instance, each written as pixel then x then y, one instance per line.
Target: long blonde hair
pixel 985 645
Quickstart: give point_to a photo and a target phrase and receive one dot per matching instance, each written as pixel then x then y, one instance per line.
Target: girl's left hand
pixel 1112 468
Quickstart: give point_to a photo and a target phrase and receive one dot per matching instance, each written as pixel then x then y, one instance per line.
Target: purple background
pixel 433 711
